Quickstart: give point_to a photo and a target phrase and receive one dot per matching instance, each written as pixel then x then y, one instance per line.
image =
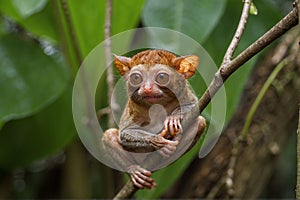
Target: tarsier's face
pixel 156 76
pixel 154 84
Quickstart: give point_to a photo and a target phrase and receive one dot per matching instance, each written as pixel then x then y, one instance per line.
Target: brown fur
pixel 152 57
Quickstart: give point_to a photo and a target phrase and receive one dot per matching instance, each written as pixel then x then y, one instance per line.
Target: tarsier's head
pixel 156 76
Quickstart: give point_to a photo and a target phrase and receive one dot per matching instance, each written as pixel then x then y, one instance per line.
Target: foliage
pixel 36 87
pixel 38 63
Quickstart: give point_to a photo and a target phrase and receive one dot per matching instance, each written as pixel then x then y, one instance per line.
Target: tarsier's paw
pixel 167 150
pixel 164 147
pixel 141 177
pixel 172 125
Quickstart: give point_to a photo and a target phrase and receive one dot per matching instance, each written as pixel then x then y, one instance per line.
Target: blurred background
pixel 42 44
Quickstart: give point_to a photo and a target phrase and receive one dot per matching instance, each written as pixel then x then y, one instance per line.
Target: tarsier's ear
pixel 122 64
pixel 186 65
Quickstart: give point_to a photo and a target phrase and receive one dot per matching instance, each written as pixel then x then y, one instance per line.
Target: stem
pixel 239 32
pixel 72 32
pixel 260 96
pixel 237 141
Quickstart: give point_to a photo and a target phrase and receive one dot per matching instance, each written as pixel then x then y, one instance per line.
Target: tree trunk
pixel 273 123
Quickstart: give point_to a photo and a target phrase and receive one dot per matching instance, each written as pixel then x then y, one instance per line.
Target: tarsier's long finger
pixel 173 143
pixel 137 184
pixel 179 126
pixel 171 126
pixel 164 132
pixel 142 180
pixel 176 127
pixel 159 142
pixel 135 181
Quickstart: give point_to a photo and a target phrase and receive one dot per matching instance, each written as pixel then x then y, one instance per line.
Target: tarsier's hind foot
pixel 164 146
pixel 141 177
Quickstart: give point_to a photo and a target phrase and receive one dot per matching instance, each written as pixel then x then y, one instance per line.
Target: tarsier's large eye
pixel 136 78
pixel 162 78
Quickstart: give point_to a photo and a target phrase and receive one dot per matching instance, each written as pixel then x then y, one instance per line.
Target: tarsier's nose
pixel 147 87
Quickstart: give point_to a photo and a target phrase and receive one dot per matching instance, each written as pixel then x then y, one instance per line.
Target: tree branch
pixel 127 191
pixel 289 21
pixel 225 71
pixel 239 32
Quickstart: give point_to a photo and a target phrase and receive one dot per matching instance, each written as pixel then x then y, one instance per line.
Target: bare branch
pixel 103 111
pixel 239 32
pixel 109 75
pixel 127 191
pixel 275 32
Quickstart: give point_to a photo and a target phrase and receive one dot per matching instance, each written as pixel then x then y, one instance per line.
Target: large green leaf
pixel 88 19
pixel 29 7
pixel 38 19
pixel 196 18
pixel 30 79
pixel 26 140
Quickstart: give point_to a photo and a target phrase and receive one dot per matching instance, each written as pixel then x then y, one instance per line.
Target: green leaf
pixel 30 80
pixel 29 7
pixel 253 9
pixel 26 140
pixel 196 18
pixel 89 25
pixel 40 22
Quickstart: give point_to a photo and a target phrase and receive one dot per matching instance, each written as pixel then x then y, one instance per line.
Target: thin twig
pixel 102 112
pixel 238 34
pixel 216 188
pixel 260 96
pixel 108 57
pixel 72 32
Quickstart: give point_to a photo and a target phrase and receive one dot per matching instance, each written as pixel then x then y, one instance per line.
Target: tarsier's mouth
pixel 153 98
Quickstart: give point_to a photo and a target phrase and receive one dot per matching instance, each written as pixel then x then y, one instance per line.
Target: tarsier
pixel 161 114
